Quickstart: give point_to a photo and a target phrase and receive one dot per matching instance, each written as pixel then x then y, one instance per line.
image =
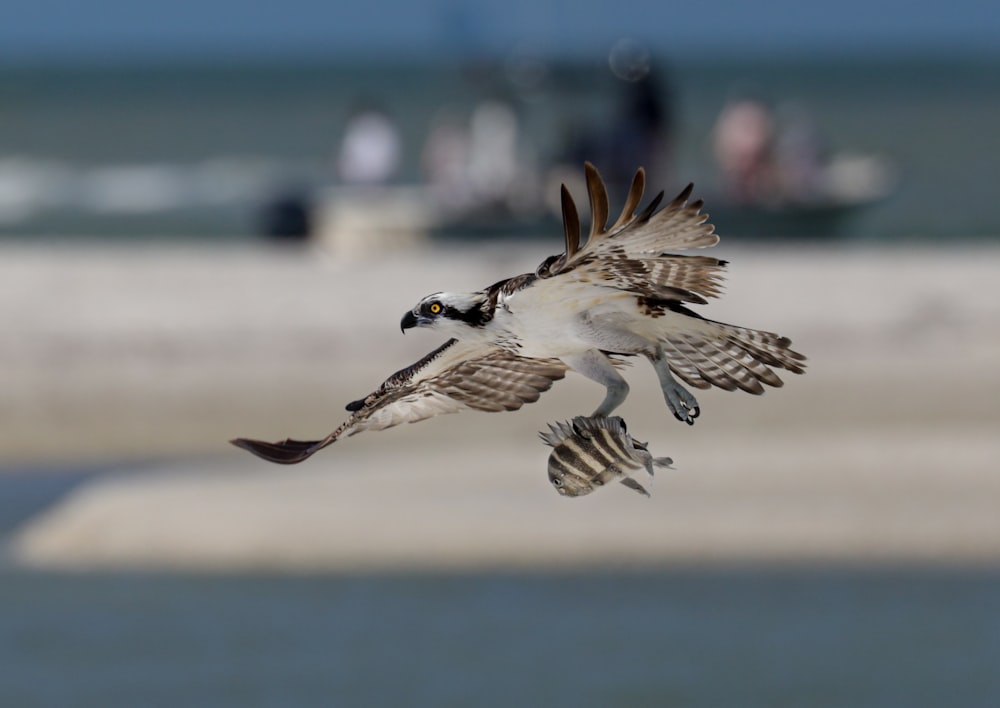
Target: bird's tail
pixel 731 357
pixel 772 349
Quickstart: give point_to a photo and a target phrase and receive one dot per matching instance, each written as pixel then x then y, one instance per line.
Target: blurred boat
pixel 355 220
pixel 819 218
pixel 848 186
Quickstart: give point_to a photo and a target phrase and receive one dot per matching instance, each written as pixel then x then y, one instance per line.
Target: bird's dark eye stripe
pixel 439 310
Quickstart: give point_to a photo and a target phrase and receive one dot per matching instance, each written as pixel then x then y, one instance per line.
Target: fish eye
pixel 434 308
pixel 556 481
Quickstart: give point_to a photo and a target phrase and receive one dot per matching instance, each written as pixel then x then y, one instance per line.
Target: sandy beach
pixel 149 358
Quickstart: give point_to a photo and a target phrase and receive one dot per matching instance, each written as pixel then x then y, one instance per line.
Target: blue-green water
pixel 686 637
pixel 676 636
pixel 195 148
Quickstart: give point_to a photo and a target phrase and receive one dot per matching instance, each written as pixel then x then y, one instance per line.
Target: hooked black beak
pixel 409 320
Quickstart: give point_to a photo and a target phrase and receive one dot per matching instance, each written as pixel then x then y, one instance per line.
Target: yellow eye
pixel 435 308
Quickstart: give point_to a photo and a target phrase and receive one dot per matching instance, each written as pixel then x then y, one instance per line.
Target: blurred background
pixel 212 217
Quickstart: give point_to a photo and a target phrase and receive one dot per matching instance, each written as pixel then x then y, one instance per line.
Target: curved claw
pixel 693 411
pixel 685 417
pixel 682 404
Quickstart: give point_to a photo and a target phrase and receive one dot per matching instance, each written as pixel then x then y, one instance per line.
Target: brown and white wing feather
pixel 717 354
pixel 632 254
pixel 454 377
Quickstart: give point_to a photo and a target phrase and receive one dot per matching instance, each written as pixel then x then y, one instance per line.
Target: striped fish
pixel 590 452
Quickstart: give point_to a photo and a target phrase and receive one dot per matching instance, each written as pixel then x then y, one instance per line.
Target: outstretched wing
pixel 454 377
pixel 632 253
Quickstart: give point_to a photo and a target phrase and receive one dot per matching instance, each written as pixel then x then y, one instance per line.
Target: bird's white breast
pixel 548 318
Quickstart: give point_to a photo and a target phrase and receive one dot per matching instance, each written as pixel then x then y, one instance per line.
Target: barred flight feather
pixel 454 377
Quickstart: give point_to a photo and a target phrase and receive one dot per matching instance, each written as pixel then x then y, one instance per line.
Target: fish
pixel 588 453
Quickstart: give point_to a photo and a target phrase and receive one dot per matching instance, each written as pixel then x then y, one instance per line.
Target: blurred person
pixel 493 150
pixel 482 166
pixel 371 149
pixel 287 215
pixel 798 154
pixel 743 147
pixel 444 159
pixel 640 130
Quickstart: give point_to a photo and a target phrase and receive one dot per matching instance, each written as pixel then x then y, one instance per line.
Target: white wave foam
pixel 31 186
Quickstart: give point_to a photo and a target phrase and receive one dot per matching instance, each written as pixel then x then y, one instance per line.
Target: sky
pixel 122 30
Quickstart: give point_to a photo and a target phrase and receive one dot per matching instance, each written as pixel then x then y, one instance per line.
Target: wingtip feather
pixel 633 199
pixel 571 223
pixel 598 196
pixel 286 452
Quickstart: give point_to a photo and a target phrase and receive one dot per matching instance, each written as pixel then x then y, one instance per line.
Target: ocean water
pixel 673 636
pixel 189 150
pixel 677 636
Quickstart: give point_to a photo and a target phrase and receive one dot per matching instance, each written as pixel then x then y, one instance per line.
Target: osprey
pixel 620 294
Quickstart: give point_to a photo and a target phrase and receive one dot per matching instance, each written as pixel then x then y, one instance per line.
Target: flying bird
pixel 621 293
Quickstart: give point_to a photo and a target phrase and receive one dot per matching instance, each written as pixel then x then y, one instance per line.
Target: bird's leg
pixel 596 366
pixel 682 404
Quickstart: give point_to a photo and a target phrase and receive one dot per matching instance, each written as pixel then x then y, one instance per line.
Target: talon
pixel 682 404
pixel 690 404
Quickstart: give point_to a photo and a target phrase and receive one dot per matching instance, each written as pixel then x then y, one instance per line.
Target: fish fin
pixel 632 484
pixel 581 428
pixel 584 424
pixel 665 462
pixel 557 434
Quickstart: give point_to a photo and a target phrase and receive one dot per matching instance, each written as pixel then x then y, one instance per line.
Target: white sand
pixel 886 450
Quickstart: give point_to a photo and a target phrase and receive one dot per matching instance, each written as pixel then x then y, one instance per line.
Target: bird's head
pixel 449 312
